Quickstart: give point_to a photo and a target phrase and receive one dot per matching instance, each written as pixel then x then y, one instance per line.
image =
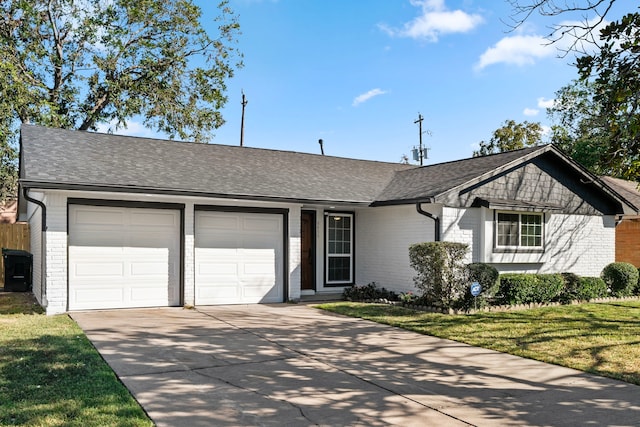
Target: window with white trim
pixel 339 248
pixel 519 230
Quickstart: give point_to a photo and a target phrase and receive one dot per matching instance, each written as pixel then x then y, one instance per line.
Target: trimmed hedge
pixel 577 288
pixel 621 278
pixel 523 288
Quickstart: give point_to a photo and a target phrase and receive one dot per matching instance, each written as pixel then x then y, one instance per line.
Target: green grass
pixel 51 375
pixel 603 338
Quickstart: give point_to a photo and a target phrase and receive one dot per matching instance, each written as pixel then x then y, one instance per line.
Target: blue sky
pixel 356 73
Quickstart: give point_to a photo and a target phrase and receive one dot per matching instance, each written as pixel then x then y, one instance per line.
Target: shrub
pixel 489 279
pixel 368 292
pixel 441 272
pixel 578 288
pixel 621 278
pixel 517 288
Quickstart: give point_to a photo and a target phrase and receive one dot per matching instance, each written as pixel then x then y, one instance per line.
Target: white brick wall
pixel 189 255
pixel 463 226
pixel 383 236
pixel 34 218
pixel 56 253
pixel 294 253
pixel 581 244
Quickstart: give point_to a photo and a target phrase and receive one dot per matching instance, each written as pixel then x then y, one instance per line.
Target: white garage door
pixel 123 257
pixel 238 257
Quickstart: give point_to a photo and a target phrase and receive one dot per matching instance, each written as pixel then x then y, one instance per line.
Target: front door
pixel 307 262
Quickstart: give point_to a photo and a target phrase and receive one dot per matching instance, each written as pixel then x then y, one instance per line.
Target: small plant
pixel 369 292
pixel 407 297
pixel 621 278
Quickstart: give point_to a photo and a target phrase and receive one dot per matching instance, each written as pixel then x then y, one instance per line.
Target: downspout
pixel 43 248
pixel 436 220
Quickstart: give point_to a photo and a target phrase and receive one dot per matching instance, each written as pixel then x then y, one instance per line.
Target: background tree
pixel 77 64
pixel 511 136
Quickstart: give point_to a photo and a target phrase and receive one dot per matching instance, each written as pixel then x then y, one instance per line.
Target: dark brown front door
pixel 308 237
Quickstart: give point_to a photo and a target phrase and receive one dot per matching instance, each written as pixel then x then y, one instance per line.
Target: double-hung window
pixel 339 248
pixel 519 230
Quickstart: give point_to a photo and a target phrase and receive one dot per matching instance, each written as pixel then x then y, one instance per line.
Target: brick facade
pixel 628 241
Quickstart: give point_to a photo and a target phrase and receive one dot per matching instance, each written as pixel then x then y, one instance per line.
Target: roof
pixel 428 182
pixel 630 190
pixel 57 158
pixel 66 159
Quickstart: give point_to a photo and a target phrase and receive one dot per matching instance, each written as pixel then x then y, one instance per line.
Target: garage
pixel 123 257
pixel 239 257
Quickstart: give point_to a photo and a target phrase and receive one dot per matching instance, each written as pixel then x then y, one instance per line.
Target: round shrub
pixel 489 279
pixel 621 278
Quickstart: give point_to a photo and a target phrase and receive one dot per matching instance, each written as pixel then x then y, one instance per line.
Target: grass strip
pixel 602 339
pixel 51 375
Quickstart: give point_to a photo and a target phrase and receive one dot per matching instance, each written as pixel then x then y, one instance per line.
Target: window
pixel 339 248
pixel 516 230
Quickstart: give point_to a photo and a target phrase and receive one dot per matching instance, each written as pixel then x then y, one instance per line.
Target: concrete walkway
pixel 293 365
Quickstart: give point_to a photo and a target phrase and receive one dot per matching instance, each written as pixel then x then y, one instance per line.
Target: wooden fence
pixel 13 236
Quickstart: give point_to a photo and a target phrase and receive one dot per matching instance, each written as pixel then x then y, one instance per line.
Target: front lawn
pixel 51 375
pixel 601 338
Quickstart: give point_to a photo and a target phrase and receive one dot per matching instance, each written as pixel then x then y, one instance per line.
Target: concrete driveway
pixel 293 365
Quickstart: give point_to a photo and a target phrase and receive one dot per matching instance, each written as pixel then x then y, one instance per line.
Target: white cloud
pixel 517 50
pixel 523 49
pixel 530 112
pixel 367 96
pixel 546 130
pixel 546 103
pixel 435 20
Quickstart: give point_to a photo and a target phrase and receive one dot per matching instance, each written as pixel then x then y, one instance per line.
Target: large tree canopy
pixel 598 115
pixel 511 136
pixel 80 63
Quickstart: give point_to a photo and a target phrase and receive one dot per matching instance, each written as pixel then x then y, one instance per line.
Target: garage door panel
pixel 100 217
pixel 122 265
pixel 240 265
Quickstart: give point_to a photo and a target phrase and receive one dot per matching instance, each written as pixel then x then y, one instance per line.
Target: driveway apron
pixel 294 365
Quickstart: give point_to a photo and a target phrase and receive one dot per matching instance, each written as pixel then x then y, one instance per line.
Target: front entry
pixel 307 261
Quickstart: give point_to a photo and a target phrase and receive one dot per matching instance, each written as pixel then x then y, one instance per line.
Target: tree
pixel 511 136
pixel 77 64
pixel 580 33
pixel 598 115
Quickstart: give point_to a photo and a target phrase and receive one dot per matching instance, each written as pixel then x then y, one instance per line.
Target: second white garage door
pixel 238 258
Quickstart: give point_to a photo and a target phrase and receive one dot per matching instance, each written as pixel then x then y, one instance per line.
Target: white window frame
pixel 519 246
pixel 349 254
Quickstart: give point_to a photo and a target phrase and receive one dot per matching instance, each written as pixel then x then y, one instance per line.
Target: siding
pixel 383 236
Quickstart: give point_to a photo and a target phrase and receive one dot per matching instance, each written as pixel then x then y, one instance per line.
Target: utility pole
pixel 420 152
pixel 244 104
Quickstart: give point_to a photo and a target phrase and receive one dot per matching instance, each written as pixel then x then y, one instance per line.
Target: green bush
pixel 520 288
pixel 621 278
pixel 369 292
pixel 577 288
pixel 489 279
pixel 441 272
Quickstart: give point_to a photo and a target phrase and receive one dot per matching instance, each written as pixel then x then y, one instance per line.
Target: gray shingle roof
pixel 427 182
pixel 57 158
pixel 627 189
pixel 65 158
